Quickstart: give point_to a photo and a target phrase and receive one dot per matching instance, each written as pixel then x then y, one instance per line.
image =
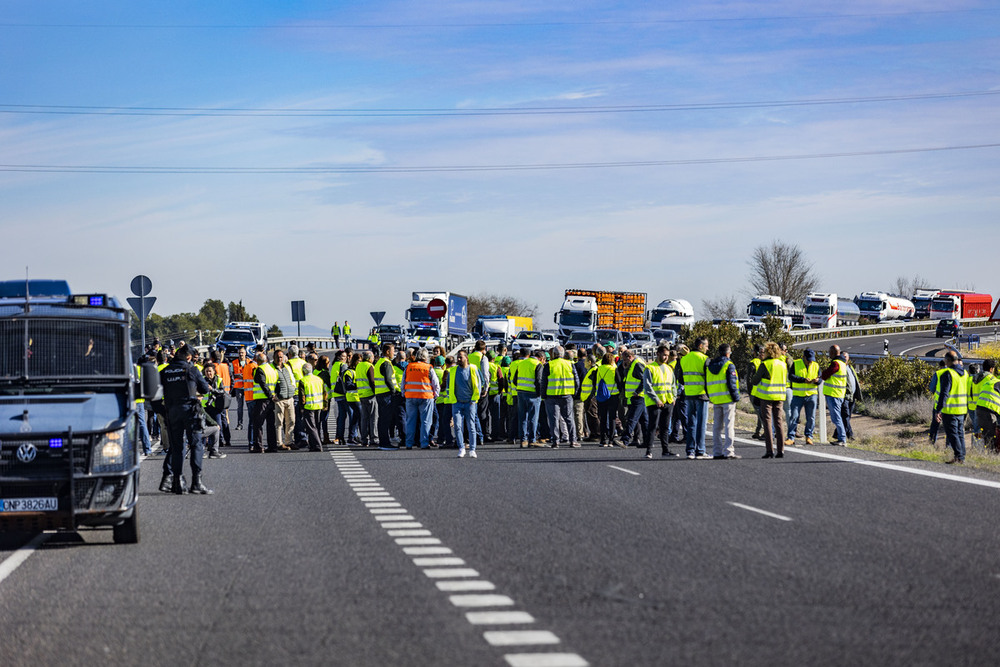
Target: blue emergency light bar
pixel 98 300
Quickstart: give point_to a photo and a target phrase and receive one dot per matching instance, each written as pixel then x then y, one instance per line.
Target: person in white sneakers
pixel 463 393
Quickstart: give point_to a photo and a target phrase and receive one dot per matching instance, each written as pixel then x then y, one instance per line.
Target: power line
pixel 494 24
pixel 109 169
pixel 279 112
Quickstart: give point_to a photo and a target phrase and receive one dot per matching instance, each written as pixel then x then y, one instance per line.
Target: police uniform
pixel 181 385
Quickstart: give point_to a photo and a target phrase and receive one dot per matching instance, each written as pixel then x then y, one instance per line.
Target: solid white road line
pixel 631 472
pixel 545 660
pixel 15 559
pixel 885 466
pixel 760 511
pixel 499 617
pixel 519 637
pixel 463 585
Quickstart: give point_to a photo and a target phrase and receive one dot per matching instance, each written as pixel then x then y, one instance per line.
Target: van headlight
pixel 109 452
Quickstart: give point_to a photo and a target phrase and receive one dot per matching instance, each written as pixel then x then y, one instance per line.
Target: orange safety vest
pixel 238 372
pixel 248 371
pixel 417 381
pixel 222 371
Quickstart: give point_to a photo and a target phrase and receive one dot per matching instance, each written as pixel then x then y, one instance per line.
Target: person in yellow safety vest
pixel 365 379
pixel 352 401
pixel 335 334
pixel 758 352
pixel 658 395
pixel 384 388
pixel 770 383
pixel 210 404
pixel 723 386
pixel 321 369
pixel 804 379
pixel 695 398
pixel 374 339
pixel 634 423
pixel 445 437
pixel 559 382
pixel 494 425
pixel 525 381
pixel 464 388
pixel 311 394
pixel 834 390
pixel 988 406
pixel 606 393
pixel 338 395
pixel 347 331
pixel 295 362
pixel 265 382
pixel 952 403
pixel 398 425
pixel 678 423
pixel 508 408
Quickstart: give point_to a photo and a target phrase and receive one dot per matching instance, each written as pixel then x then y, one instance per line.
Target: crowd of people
pixel 420 398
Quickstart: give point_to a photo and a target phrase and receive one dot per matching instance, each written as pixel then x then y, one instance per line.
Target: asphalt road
pixel 916 343
pixel 541 557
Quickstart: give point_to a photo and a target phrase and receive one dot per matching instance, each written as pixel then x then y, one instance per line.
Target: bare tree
pixel 720 308
pixel 907 287
pixel 781 269
pixel 485 303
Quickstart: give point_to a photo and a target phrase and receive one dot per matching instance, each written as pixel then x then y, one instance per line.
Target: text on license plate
pixel 29 504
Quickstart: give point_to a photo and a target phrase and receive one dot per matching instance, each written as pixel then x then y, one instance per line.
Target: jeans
pixel 527 415
pixel 954 432
pixel 697 421
pixel 419 414
pixel 799 402
pixel 636 423
pixel 140 410
pixel 461 414
pixel 833 406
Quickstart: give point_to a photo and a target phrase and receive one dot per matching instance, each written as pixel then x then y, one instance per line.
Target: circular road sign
pixel 437 308
pixel 142 286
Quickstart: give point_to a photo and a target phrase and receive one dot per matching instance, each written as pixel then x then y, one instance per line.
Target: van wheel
pixel 127 532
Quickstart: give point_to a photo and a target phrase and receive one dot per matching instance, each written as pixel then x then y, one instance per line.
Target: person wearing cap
pixel 804 381
pixel 951 403
pixel 182 383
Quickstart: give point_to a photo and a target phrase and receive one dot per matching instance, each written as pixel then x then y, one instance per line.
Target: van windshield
pixel 57 413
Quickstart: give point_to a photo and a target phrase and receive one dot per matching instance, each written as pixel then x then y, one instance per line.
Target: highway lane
pixel 290 562
pixel 916 343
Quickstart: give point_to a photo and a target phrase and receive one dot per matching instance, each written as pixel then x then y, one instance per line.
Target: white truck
pixel 880 306
pixel 826 310
pixel 501 327
pixel 922 300
pixel 451 329
pixel 672 314
pixel 578 313
pixel 768 305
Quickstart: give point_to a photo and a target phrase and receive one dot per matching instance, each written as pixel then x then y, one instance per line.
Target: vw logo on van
pixel 26 453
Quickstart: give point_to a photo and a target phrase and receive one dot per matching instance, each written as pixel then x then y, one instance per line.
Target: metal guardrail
pixel 875 329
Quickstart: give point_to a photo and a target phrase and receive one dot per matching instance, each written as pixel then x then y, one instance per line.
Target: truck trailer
pixel 451 328
pixel 671 314
pixel 589 310
pixel 826 310
pixel 881 307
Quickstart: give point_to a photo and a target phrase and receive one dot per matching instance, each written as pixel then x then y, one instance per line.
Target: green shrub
pixel 895 378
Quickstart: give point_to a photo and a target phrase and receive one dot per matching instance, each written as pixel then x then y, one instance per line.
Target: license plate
pixel 29 504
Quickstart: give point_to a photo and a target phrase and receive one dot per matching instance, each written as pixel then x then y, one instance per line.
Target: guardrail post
pixel 821 400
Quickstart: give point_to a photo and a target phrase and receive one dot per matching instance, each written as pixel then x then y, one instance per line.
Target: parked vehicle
pixel 672 314
pixel 451 327
pixel 501 327
pixel 391 333
pixel 68 424
pixel 880 306
pixel 605 336
pixel 767 305
pixel 667 336
pixel 922 299
pixel 957 304
pixel 584 340
pixel 588 310
pixel 639 340
pixel 948 328
pixel 230 341
pixel 534 340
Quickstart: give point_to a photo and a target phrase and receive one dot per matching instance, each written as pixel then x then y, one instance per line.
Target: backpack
pixel 603 393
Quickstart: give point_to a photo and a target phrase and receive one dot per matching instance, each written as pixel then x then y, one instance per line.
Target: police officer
pixel 182 383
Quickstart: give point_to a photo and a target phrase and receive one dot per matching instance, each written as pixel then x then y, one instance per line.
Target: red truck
pixel 958 304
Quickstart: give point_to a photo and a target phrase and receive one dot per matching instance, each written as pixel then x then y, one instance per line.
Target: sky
pixel 349 153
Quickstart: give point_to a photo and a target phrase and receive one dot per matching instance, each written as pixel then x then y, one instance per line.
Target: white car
pixel 534 340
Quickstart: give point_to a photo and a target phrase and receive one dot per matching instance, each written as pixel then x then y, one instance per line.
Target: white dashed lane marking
pixel 463 584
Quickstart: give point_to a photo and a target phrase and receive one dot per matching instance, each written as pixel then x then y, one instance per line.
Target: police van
pixel 69 448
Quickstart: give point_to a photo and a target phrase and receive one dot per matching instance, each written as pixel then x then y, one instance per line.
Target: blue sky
pixel 344 105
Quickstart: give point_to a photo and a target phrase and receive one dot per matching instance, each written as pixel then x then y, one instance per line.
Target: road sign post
pixel 298 315
pixel 142 303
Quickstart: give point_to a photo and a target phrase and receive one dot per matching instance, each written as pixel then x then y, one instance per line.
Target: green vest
pixel 718 390
pixel 334 376
pixel 662 376
pixel 810 373
pixel 693 372
pixel 987 395
pixel 560 381
pixel 351 378
pixel 957 400
pixel 607 373
pixel 836 385
pixel 361 379
pixel 526 374
pixel 633 385
pixel 774 388
pixel 474 377
pixel 494 378
pixel 587 386
pixel 347 329
pixel 296 364
pixel 270 377
pixel 380 386
pixel 335 330
pixel 311 388
pixel 443 392
pixel 398 374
